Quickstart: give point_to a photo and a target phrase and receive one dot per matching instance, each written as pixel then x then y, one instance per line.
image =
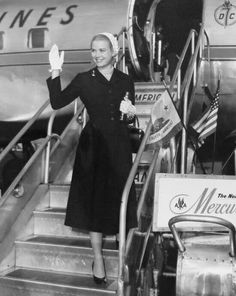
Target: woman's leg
pixel 96 242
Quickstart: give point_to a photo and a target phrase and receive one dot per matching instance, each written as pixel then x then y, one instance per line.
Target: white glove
pixel 126 107
pixel 56 60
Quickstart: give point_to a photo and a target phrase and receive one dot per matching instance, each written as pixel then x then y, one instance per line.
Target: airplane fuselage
pixel 29 29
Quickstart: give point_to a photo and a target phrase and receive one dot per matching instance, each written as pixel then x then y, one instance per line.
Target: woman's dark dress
pixel 103 158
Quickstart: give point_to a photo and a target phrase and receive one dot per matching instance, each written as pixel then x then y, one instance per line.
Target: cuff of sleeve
pixel 50 70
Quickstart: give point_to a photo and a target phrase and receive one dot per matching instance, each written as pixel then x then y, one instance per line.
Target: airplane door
pixel 140 25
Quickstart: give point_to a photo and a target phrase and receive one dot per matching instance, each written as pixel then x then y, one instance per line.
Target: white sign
pixel 207 195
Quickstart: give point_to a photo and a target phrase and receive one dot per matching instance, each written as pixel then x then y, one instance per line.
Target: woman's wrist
pixel 55 73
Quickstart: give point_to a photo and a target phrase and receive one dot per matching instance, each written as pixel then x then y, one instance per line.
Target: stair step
pixel 59 196
pixel 63 254
pixel 33 282
pixel 59 193
pixel 50 222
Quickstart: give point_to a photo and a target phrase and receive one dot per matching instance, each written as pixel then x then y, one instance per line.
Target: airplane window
pixel 37 37
pixel 1 39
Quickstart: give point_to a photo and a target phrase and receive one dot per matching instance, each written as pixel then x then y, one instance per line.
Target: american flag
pixel 207 124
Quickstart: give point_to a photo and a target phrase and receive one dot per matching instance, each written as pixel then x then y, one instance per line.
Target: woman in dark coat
pixel 103 158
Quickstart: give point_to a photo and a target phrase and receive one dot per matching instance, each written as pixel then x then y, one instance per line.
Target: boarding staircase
pixel 49 258
pixel 39 255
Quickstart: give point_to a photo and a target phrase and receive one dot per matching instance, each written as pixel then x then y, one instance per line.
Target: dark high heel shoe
pixel 98 280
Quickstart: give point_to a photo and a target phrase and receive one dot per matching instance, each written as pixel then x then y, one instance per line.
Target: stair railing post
pixel 192 52
pixel 48 149
pixel 184 133
pixel 123 52
pixel 49 133
pixel 122 272
pixel 122 57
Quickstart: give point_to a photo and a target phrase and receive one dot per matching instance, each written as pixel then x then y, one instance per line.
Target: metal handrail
pixel 49 134
pixel 23 130
pixel 122 58
pixel 123 211
pixel 146 184
pixel 177 78
pixel 204 219
pixel 198 50
pixel 24 170
pixel 137 160
pixel 177 73
pixel 125 195
pixel 190 73
pixel 45 144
